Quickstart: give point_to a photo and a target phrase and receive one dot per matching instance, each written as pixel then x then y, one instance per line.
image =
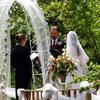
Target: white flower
pixel 84 84
pixel 59 43
pixel 51 57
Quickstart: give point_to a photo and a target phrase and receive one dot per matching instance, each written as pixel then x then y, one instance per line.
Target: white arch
pixel 36 18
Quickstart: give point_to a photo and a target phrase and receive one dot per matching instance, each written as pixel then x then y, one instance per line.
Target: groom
pixel 57 44
pixel 56 47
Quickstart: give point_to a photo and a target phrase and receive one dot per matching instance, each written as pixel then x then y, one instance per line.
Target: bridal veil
pixel 75 50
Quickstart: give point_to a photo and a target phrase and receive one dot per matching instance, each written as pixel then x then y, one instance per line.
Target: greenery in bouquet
pixel 63 65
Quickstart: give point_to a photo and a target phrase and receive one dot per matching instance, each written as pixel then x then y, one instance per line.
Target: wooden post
pixel 33 95
pixel 2 96
pixel 29 95
pixel 37 95
pixel 88 96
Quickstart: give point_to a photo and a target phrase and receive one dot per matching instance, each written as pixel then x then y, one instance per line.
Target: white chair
pixel 95 97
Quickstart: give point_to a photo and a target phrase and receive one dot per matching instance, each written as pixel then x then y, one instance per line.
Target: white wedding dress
pixel 75 50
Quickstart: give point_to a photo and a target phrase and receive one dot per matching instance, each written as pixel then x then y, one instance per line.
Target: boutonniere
pixel 59 43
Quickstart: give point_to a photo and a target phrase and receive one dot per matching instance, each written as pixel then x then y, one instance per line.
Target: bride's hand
pixel 50 68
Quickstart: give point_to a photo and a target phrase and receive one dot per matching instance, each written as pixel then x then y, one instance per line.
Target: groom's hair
pixel 54 27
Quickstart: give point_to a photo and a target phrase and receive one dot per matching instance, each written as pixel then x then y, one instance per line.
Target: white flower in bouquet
pixel 50 60
pixel 75 61
pixel 50 57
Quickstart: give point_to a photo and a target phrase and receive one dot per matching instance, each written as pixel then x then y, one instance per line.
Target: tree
pixel 79 16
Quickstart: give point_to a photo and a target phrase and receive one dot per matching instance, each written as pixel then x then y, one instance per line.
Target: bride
pixel 75 50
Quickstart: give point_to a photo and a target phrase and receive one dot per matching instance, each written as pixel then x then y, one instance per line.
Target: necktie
pixel 53 46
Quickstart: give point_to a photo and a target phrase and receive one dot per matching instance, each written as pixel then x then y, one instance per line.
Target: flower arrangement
pixel 63 64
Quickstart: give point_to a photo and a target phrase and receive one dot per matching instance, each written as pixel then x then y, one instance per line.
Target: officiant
pixel 20 59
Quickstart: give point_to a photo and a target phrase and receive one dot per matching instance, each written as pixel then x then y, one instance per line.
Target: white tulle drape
pixel 36 17
pixel 5 44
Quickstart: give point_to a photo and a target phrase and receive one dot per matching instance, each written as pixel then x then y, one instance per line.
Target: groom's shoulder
pixel 62 41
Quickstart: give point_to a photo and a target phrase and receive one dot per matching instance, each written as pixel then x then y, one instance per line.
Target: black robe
pixel 20 59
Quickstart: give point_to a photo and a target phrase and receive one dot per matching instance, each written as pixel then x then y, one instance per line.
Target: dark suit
pixel 20 58
pixel 57 50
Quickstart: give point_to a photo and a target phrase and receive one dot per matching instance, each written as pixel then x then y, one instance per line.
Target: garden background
pixel 81 16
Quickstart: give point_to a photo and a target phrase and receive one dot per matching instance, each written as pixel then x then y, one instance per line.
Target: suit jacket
pixel 58 47
pixel 20 58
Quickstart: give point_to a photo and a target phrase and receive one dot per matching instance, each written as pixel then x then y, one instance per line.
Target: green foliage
pixel 81 16
pixel 53 13
pixel 93 75
pixel 37 82
pixel 12 77
pixel 18 21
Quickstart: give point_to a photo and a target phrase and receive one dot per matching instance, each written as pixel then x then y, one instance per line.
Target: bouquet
pixel 63 64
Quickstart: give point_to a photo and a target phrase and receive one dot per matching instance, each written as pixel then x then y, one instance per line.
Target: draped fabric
pixel 75 50
pixel 34 14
